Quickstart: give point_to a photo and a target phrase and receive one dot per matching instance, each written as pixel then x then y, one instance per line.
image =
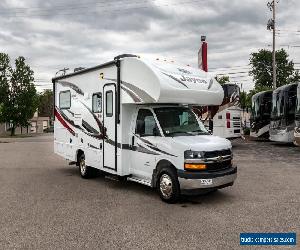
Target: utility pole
pixel 272 25
pixel 274 50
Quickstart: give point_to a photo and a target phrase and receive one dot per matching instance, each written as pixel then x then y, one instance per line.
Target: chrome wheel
pixel 166 186
pixel 82 166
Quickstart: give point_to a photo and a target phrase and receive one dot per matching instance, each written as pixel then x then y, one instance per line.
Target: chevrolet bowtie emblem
pixel 220 158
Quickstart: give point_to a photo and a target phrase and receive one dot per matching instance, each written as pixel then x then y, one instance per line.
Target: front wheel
pixel 86 171
pixel 168 185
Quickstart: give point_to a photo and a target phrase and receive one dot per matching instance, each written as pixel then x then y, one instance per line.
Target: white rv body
pixel 227 123
pixel 283 123
pixel 227 120
pixel 96 114
pixel 224 120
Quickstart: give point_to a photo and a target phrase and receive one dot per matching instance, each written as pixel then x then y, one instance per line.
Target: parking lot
pixel 44 204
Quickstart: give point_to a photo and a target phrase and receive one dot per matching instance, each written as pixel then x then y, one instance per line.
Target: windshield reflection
pixel 262 105
pixel 179 121
pixel 278 104
pixel 231 94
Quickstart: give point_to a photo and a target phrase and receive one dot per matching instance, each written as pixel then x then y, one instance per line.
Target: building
pixel 37 124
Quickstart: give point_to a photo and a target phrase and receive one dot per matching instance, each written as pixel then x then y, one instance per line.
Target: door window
pixel 109 103
pixel 146 124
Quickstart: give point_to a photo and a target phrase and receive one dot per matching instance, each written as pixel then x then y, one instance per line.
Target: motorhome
pixel 261 114
pixel 224 120
pixel 282 124
pixel 297 119
pixel 227 121
pixel 130 118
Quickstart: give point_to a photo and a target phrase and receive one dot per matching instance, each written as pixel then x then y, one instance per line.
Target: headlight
pixel 189 154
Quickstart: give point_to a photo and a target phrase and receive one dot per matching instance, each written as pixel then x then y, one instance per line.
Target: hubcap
pixel 82 166
pixel 165 186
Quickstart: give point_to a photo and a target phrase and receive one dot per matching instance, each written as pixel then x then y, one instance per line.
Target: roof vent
pixel 78 69
pixel 124 55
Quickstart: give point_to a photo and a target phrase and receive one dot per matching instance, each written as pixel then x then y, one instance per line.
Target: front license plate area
pixel 206 182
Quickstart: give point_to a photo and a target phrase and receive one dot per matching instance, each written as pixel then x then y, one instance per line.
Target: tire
pixel 168 185
pixel 85 171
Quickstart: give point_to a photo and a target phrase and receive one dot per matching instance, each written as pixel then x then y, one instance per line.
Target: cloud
pixel 57 34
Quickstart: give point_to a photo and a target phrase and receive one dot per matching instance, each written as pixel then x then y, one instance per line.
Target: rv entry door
pixel 110 125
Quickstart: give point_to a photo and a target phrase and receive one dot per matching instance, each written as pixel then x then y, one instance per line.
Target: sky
pixel 55 34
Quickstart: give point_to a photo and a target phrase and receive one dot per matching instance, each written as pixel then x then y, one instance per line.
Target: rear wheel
pixel 84 170
pixel 168 185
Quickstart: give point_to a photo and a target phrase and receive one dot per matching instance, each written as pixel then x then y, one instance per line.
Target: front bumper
pixel 282 135
pixel 297 136
pixel 192 181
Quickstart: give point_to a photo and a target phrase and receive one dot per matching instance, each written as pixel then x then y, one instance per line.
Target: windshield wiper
pixel 200 132
pixel 177 132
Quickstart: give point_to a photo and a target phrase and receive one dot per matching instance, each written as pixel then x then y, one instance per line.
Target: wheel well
pixel 78 154
pixel 164 163
pixel 159 166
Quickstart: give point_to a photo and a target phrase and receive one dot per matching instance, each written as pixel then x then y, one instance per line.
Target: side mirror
pixel 156 131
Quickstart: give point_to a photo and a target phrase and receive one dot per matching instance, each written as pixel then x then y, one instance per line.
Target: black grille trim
pixel 216 166
pixel 213 154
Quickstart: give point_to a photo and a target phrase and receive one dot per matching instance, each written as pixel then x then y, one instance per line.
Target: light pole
pixel 271 25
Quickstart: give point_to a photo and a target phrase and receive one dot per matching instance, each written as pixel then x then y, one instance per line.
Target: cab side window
pixel 146 124
pixel 97 103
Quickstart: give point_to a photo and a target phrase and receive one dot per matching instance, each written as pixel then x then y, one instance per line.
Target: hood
pixel 201 142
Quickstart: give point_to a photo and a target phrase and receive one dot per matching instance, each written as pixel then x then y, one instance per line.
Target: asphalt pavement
pixel 44 204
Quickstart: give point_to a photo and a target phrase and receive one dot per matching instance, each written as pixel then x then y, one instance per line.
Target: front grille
pixel 213 154
pixel 216 166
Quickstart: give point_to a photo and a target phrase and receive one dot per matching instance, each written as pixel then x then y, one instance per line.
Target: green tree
pixel 244 100
pixel 262 70
pixel 19 96
pixel 4 71
pixel 46 104
pixel 296 76
pixel 4 85
pixel 222 79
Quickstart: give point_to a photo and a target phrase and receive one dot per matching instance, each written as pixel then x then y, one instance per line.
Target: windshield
pixel 262 105
pixel 231 94
pixel 179 121
pixel 255 107
pixel 277 104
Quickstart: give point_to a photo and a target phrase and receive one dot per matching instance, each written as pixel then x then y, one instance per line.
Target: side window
pixel 146 124
pixel 109 103
pixel 292 102
pixel 65 99
pixel 97 103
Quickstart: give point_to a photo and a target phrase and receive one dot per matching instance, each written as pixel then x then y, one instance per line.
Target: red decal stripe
pixel 63 122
